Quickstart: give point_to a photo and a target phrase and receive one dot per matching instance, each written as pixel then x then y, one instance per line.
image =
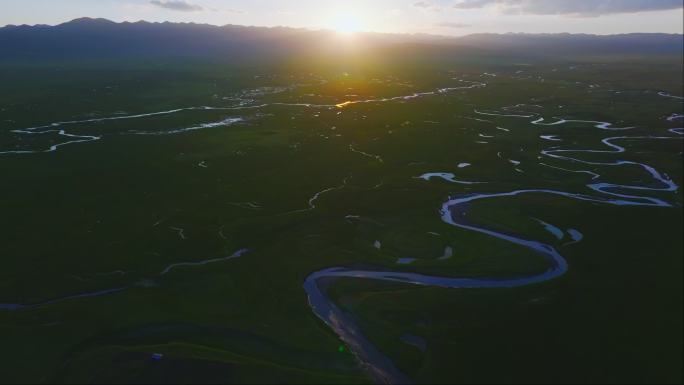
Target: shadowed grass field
pixel 261 158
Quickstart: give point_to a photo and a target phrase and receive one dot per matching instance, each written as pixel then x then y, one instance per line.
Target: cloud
pixel 228 10
pixel 572 7
pixel 177 5
pixel 427 6
pixel 449 24
pixel 422 4
pixel 393 13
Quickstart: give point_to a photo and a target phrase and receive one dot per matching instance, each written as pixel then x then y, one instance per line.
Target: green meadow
pixel 162 171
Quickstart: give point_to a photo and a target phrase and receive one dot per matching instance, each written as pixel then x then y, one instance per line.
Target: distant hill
pixel 101 38
pixel 635 43
pixel 83 38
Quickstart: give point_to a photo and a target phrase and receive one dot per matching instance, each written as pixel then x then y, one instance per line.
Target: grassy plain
pixel 104 214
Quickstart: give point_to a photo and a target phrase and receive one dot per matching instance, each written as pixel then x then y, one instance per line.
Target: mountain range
pixel 101 38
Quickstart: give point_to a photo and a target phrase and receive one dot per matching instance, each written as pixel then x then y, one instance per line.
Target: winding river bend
pixel 244 104
pixel 381 367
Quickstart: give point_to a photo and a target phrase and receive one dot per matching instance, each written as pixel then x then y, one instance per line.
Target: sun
pixel 347 23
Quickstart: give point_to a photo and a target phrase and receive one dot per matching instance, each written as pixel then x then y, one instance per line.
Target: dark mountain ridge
pixel 102 38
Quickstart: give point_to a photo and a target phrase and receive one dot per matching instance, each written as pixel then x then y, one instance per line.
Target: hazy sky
pixel 446 17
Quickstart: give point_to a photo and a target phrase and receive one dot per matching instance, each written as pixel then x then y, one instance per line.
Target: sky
pixel 442 17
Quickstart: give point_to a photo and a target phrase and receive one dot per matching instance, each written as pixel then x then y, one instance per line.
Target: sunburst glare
pixel 348 22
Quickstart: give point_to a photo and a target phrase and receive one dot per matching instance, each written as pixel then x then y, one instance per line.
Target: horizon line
pixel 331 30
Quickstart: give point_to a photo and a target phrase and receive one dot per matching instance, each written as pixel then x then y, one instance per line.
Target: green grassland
pixel 105 214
